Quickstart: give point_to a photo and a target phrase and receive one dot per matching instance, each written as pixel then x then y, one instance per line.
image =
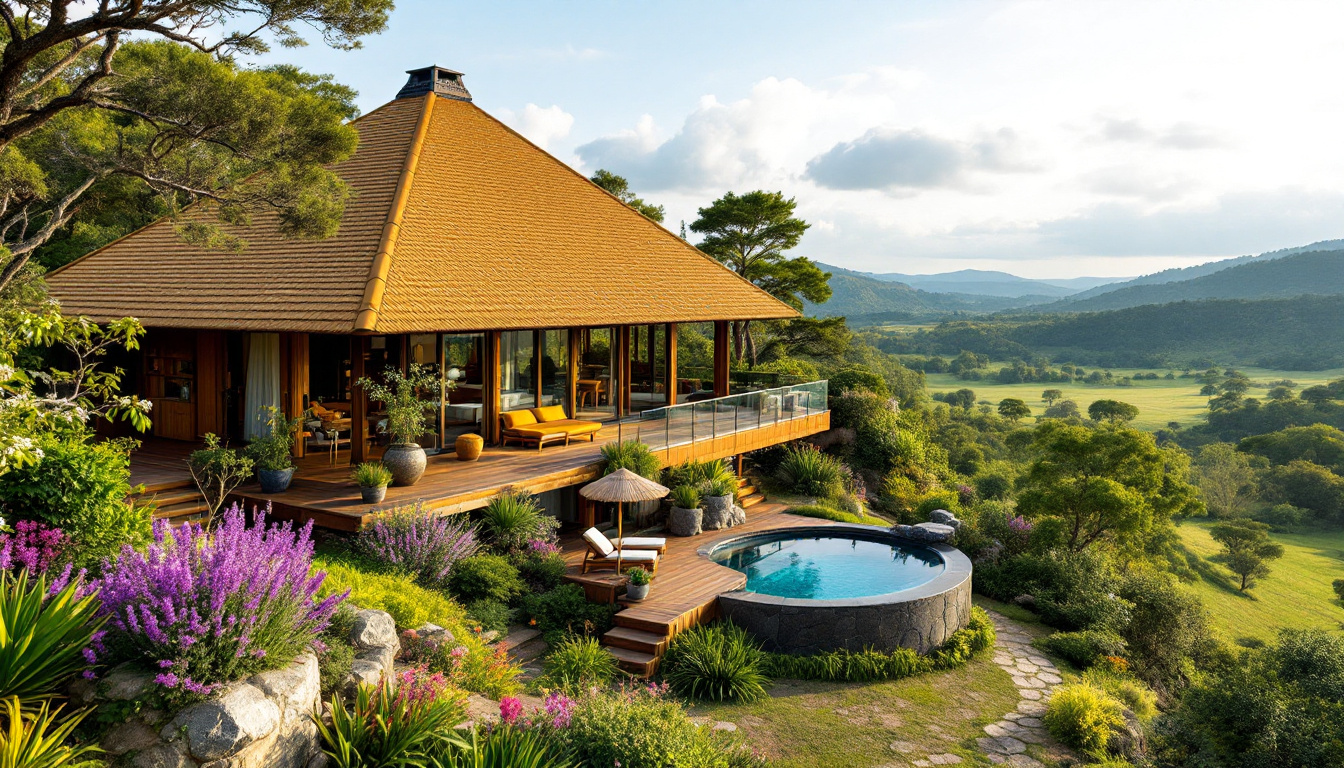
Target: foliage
pixel 1308 486
pixel 1083 717
pixel 204 609
pixel 485 577
pixel 40 738
pixel 1338 586
pixel 807 471
pixel 399 393
pixel 578 663
pixel 632 455
pixel 218 470
pixel 335 653
pixel 1013 409
pixel 1225 479
pixel 514 519
pixel 42 635
pixel 1137 697
pixel 490 615
pixel 1246 547
pixel 685 497
pixel 854 378
pixel 1105 483
pixel 1071 590
pixel 80 486
pixel 409 604
pixel 1318 443
pixel 720 486
pixel 34 547
pixel 566 610
pixel 417 542
pixel 619 187
pixel 1167 631
pixel 509 746
pixel 464 661
pixel 639 728
pixel 371 474
pixel 383 729
pixel 716 662
pixel 1082 649
pixel 638 576
pixel 823 512
pixel 542 568
pixel 271 450
pixel 1112 410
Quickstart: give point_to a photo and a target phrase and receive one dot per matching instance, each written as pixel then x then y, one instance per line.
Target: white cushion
pixel 635 556
pixel 599 542
pixel 642 542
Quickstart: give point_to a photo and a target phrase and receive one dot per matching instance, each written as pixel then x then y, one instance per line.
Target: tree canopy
pixel 1013 409
pixel 152 91
pixel 620 189
pixel 1246 547
pixel 1112 410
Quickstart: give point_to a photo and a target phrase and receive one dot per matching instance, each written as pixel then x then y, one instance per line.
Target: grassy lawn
pixel 1297 593
pixel 860 725
pixel 1159 401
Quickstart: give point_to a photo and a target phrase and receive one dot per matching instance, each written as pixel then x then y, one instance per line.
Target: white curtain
pixel 263 381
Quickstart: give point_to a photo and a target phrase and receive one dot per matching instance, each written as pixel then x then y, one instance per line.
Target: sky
pixel 1047 139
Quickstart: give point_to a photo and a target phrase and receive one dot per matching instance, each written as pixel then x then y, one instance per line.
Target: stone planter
pixel 274 480
pixel 685 522
pixel 469 447
pixel 372 494
pixel 406 462
pixel 718 512
pixel 637 591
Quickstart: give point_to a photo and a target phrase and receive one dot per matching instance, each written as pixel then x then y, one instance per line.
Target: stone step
pixel 635 662
pixel 635 640
pixel 518 635
pixel 532 649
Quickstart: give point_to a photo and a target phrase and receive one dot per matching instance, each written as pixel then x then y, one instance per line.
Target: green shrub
pixel 977 636
pixel 41 637
pixel 1082 649
pixel 716 662
pixel 337 658
pixel 565 610
pixel 272 448
pixel 686 497
pixel 807 471
pixel 640 729
pixel 578 663
pixel 513 519
pixel 823 512
pixel 507 746
pixel 541 572
pixel 490 615
pixel 993 485
pixel 36 737
pixel 632 455
pixel 1167 629
pixel 384 729
pixel 485 577
pixel 1130 691
pixel 372 474
pixel 700 474
pixel 483 669
pixel 1338 584
pixel 1084 717
pixel 1283 517
pixel 938 499
pixel 80 487
pixel 409 604
pixel 720 486
pixel 1073 590
pixel 859 379
pixel 217 470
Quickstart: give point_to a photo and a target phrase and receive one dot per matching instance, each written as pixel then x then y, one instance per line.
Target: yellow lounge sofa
pixel 540 426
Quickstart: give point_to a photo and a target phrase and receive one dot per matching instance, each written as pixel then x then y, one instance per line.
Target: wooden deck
pixel 685 590
pixel 324 493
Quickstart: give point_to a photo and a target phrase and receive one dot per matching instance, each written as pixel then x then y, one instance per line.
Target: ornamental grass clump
pixel 418 543
pixel 810 472
pixel 205 608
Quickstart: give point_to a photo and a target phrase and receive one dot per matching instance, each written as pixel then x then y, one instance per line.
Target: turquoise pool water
pixel 829 567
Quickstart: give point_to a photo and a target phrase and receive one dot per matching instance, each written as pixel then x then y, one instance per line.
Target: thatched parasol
pixel 622 486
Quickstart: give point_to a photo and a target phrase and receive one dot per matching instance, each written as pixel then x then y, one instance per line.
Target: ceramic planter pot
pixel 372 494
pixel 469 447
pixel 274 480
pixel 718 511
pixel 406 462
pixel 685 522
pixel 637 591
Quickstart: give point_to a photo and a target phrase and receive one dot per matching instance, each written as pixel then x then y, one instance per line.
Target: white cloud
pixel 903 159
pixel 541 125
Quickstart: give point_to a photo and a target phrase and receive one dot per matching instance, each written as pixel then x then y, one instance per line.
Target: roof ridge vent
pixel 441 80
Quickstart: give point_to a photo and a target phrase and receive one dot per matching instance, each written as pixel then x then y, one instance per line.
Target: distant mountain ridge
pixel 983 282
pixel 859 294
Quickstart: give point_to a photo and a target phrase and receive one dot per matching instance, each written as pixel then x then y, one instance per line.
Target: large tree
pixel 749 234
pixel 1246 548
pixel 619 187
pixel 152 91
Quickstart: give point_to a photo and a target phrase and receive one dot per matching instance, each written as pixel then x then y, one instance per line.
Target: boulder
pixel 925 533
pixel 374 629
pixel 738 516
pixel 945 518
pixel 685 522
pixel 222 726
pixel 718 512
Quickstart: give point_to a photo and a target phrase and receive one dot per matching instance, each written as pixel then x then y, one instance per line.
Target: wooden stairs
pixel 748 495
pixel 175 501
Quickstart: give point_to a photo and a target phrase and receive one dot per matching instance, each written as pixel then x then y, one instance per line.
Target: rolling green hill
pixel 863 299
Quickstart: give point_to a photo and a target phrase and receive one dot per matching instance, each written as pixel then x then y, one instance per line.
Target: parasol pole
pixel 620 535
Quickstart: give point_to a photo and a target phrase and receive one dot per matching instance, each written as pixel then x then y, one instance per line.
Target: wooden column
pixel 623 359
pixel 490 389
pixel 211 367
pixel 572 356
pixel 294 385
pixel 538 355
pixel 670 350
pixel 359 404
pixel 722 348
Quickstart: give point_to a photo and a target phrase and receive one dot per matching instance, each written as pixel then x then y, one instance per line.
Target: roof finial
pixel 441 80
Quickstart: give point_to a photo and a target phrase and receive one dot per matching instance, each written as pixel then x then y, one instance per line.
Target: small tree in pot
pixel 373 479
pixel 686 517
pixel 399 394
pixel 638 588
pixel 270 452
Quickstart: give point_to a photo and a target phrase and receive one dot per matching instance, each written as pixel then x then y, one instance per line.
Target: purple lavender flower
pixel 419 543
pixel 542 547
pixel 212 608
pixel 35 546
pixel 561 709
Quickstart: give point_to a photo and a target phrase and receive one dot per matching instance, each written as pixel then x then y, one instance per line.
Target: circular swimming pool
pixel 821 588
pixel 829 566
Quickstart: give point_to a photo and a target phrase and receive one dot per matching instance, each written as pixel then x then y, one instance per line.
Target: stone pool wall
pixel 921 618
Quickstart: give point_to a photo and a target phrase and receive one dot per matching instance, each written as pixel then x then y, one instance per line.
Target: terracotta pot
pixel 373 494
pixel 274 480
pixel 469 447
pixel 406 462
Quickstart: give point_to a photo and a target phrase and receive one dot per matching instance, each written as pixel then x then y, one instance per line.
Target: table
pixel 333 428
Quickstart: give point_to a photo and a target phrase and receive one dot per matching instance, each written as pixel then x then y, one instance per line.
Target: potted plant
pixel 638 587
pixel 399 394
pixel 270 452
pixel 717 497
pixel 373 479
pixel 686 517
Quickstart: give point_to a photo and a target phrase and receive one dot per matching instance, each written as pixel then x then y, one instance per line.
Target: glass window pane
pixel 462 357
pixel 518 370
pixel 597 384
pixel 695 361
pixel 555 369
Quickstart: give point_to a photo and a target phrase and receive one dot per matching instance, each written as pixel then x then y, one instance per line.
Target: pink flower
pixel 561 709
pixel 510 709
